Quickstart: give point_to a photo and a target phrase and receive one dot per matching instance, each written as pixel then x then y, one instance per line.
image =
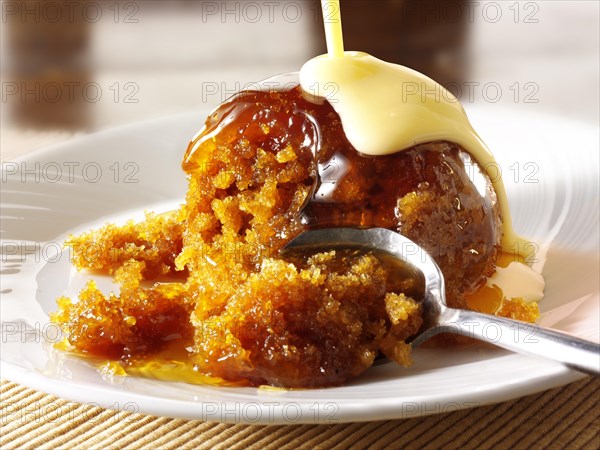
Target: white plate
pixel 554 199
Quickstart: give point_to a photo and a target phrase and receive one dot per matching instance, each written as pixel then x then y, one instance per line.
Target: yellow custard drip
pixel 386 108
pixel 333 27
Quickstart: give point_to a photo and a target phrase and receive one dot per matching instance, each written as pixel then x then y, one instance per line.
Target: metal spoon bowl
pixel 513 335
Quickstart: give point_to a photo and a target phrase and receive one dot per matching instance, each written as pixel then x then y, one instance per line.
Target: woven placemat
pixel 566 417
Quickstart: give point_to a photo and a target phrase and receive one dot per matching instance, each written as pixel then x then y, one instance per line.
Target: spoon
pixel 513 335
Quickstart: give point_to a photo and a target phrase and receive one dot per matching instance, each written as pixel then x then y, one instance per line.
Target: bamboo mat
pixel 561 418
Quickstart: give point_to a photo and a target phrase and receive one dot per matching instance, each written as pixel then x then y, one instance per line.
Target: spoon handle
pixel 527 338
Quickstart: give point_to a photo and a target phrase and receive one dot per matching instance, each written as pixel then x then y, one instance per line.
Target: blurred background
pixel 72 67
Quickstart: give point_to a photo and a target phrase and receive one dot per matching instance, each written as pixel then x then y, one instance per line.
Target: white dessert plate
pixel 550 166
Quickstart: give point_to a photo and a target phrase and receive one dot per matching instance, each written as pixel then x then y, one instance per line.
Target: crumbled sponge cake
pixel 309 324
pixel 267 166
pixel 155 241
pixel 519 309
pixel 136 323
pixel 305 327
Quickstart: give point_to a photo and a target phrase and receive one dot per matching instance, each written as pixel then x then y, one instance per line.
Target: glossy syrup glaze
pixel 433 193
